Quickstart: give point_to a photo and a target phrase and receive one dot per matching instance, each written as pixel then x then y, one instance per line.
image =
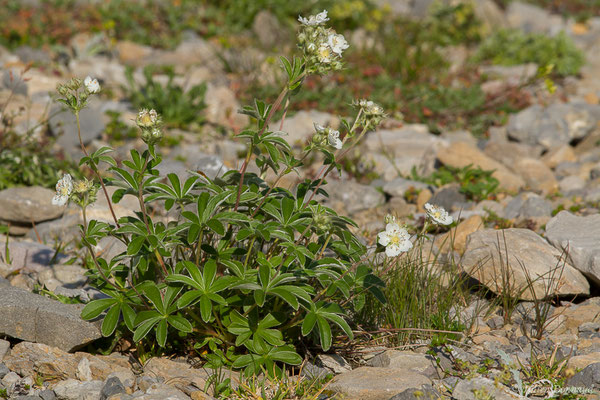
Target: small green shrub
pixel 512 47
pixel 453 24
pixel 248 270
pixel 178 108
pixel 475 183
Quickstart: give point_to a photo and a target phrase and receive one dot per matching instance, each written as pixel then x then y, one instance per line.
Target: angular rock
pixel 457 236
pixel 35 318
pixel 35 358
pixel 399 150
pixel 491 254
pixel 558 154
pixel 334 362
pixel 28 204
pixel 300 127
pixel 72 389
pixel 537 175
pixel 222 108
pixel 460 155
pixel 555 125
pixel 399 186
pixel 371 383
pixel 528 205
pixel 63 125
pixel 449 197
pixel 111 387
pixel 588 378
pixel 479 388
pixel 578 237
pixel 414 362
pixel 425 392
pixel 176 372
pixel 351 196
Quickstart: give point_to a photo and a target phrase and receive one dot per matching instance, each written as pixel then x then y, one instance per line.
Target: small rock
pixel 527 205
pixel 334 362
pixel 10 379
pixel 449 197
pixel 28 204
pixel 222 108
pixel 578 238
pixel 537 175
pixel 47 394
pixel 311 371
pixel 72 389
pixel 370 383
pixel 425 392
pixel 559 154
pixel 84 373
pixel 32 317
pixel 300 127
pixel 415 362
pixel 478 388
pixel 399 186
pixel 111 387
pixel 3 370
pixel 351 196
pixel 588 378
pixel 490 253
pixel 457 236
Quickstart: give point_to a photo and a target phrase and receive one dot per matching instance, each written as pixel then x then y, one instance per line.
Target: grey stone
pixel 3 370
pixel 425 392
pixel 65 229
pixel 4 348
pixel 491 253
pixel 10 379
pixel 399 186
pixel 27 397
pixel 30 256
pixel 299 128
pixel 30 55
pixel 528 205
pixel 370 383
pixel 334 362
pixel 589 377
pixel 311 371
pixel 210 165
pixel 35 318
pixel 578 237
pixel 111 387
pixel 467 389
pixel 531 18
pixel 552 126
pixel 28 204
pixel 420 363
pixel 268 30
pixel 449 197
pixel 12 80
pixel 351 196
pixel 63 125
pixel 72 389
pixel 47 394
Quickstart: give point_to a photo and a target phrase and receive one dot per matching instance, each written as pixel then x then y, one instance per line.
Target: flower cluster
pixel 150 124
pixel 326 135
pixel 372 113
pixel 75 98
pixel 64 187
pixel 438 215
pixel 81 192
pixel 322 47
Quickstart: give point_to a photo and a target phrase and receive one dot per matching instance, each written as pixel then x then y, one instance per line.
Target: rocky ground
pixel 546 159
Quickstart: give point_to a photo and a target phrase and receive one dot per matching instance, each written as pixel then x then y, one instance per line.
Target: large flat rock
pixel 35 318
pixel 373 383
pixel 28 204
pixel 492 255
pixel 578 237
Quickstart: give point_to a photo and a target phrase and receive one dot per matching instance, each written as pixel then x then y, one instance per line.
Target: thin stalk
pixel 95 170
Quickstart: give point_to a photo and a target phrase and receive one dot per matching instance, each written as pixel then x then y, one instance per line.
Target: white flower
pixel 91 85
pixel 338 43
pixel 334 138
pixel 314 19
pixel 324 53
pixel 438 214
pixel 64 186
pixel 319 128
pixel 395 239
pixel 370 107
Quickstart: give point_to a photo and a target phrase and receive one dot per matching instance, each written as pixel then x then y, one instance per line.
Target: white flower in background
pixel 370 107
pixel 438 214
pixel 314 20
pixel 337 42
pixel 64 187
pixel 334 138
pixel 91 85
pixel 319 128
pixel 147 119
pixel 395 239
pixel 324 53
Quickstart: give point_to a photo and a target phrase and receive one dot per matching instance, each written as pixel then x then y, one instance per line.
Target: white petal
pixel 392 251
pixel 384 239
pixel 428 207
pixel 392 227
pixel 59 200
pixel 405 245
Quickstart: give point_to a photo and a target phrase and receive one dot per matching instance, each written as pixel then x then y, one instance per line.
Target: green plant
pixel 116 131
pixel 452 24
pixel 249 269
pixel 4 393
pixel 179 108
pixel 476 183
pixel 512 47
pixel 424 297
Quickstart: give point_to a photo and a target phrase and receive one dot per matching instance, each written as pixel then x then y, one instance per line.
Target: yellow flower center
pixel 64 190
pixel 146 119
pixel 395 239
pixel 324 53
pixel 437 214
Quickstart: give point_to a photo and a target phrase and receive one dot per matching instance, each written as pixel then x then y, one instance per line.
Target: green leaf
pixel 135 245
pixel 144 328
pixel 110 320
pixel 205 308
pixel 286 354
pixel 216 226
pixel 128 316
pixel 259 297
pixel 324 333
pixel 96 307
pixel 308 323
pixel 180 323
pixel 161 333
pixel 153 294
